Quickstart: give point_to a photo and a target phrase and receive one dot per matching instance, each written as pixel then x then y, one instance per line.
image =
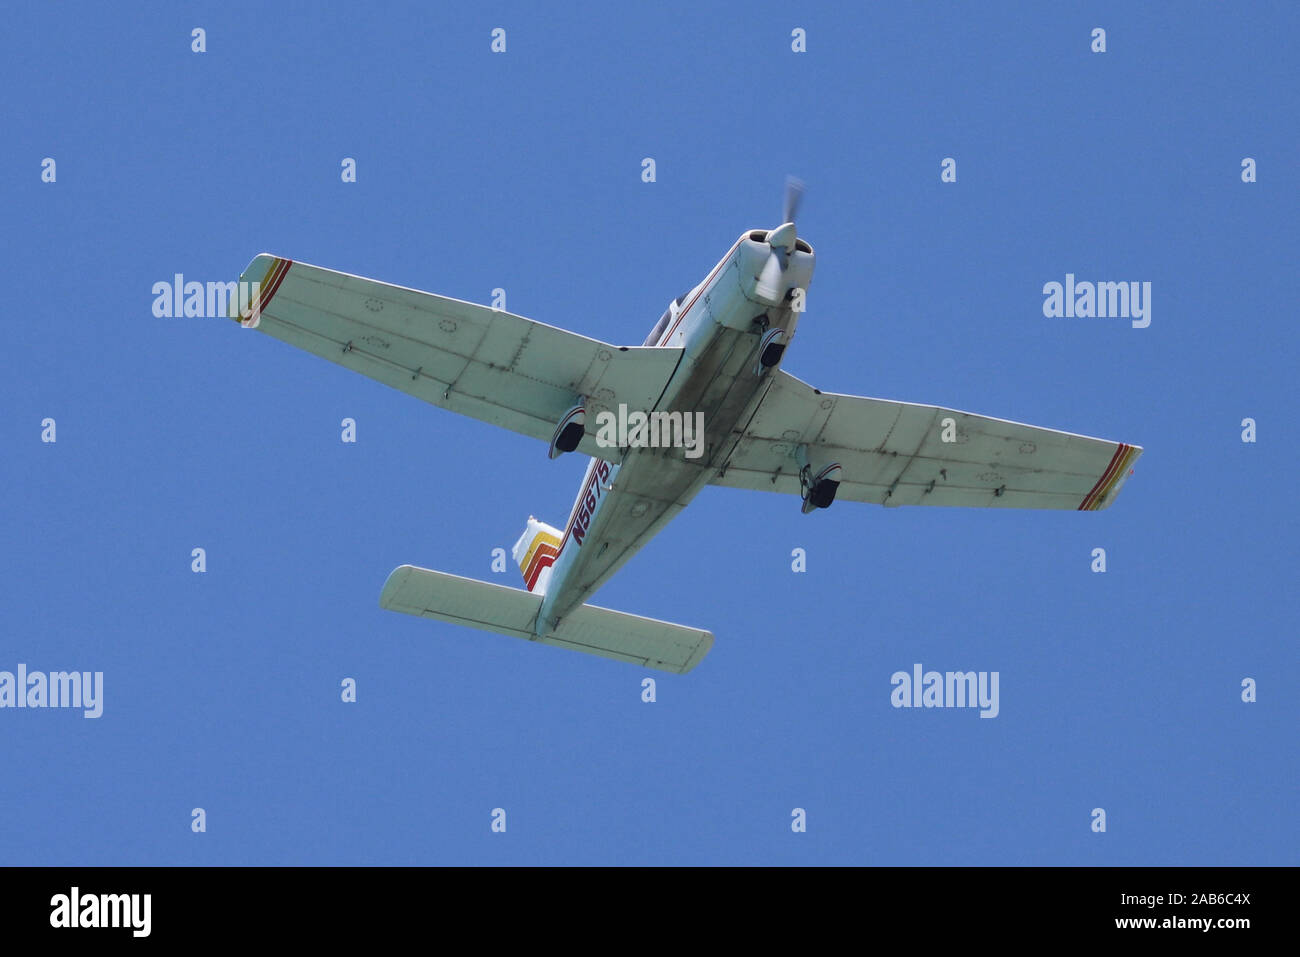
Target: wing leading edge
pixel 900 453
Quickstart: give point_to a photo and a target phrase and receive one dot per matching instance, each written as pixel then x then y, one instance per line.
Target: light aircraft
pixel 716 350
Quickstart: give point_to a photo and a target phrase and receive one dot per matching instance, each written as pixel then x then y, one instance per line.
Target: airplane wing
pixel 894 453
pixel 485 363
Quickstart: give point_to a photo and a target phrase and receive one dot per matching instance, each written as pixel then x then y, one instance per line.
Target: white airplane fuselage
pixel 722 327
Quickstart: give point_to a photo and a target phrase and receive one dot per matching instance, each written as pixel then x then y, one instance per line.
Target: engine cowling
pixel 778 261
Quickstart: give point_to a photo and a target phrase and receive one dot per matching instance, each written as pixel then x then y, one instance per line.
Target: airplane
pixel 713 356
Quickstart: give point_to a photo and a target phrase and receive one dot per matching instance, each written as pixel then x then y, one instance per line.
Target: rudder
pixel 536 551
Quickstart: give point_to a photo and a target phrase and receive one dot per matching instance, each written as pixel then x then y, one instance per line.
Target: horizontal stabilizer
pixel 510 611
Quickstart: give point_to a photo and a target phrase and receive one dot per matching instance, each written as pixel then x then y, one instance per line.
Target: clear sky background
pixel 522 171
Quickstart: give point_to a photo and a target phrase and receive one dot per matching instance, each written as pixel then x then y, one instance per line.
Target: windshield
pixel 659 328
pixel 662 324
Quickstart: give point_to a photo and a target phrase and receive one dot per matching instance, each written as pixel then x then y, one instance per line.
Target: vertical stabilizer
pixel 535 552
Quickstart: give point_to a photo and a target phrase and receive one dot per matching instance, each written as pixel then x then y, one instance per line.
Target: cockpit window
pixel 659 328
pixel 662 324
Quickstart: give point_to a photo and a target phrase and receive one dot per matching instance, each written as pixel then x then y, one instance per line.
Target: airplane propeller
pixel 793 195
pixel 781 240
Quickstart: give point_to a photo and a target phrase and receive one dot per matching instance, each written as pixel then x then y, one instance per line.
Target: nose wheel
pixel 770 348
pixel 771 344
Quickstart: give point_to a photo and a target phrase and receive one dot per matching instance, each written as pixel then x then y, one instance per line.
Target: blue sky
pixel 522 171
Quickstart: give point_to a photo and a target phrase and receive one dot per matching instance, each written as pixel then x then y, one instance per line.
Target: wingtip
pixel 265 259
pixel 1111 492
pixel 393 584
pixel 703 648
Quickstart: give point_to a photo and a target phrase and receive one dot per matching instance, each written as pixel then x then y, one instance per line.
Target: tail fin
pixel 536 552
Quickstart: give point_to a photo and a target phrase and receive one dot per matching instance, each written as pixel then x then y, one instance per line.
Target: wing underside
pixel 900 453
pixel 482 362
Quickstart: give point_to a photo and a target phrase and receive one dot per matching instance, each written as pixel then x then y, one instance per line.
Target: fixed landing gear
pixel 771 347
pixel 771 344
pixel 569 432
pixel 817 487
